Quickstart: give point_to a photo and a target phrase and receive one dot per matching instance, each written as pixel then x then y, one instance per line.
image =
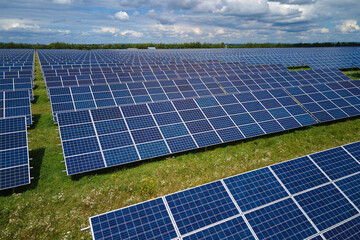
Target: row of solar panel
pixel 17 68
pixel 335 57
pixel 107 137
pixel 15 74
pixel 16 64
pixel 16 83
pixel 76 98
pixel 325 75
pixel 314 196
pixel 94 79
pixel 130 68
pixel 177 68
pixel 88 97
pixel 264 81
pixel 14 154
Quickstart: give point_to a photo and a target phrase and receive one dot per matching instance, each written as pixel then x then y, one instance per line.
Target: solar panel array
pixel 316 58
pixel 101 77
pixel 225 104
pixel 314 197
pixel 16 83
pixel 97 96
pixel 107 137
pixel 14 154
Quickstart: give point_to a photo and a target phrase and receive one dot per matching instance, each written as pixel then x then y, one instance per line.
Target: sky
pixel 178 21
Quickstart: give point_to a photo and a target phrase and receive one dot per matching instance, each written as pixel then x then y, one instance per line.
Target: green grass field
pixel 56 206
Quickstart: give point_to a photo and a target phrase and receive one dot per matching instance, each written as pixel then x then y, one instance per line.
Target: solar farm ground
pixel 57 206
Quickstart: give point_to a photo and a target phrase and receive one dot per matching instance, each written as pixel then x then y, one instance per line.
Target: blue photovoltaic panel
pixel 198 207
pixel 326 206
pixel 14 177
pixel 351 187
pixel 329 101
pixel 256 188
pixel 128 154
pixel 14 104
pixel 148 220
pixel 14 156
pixel 299 174
pixel 207 211
pixel 282 220
pixel 346 231
pixel 336 163
pixel 84 163
pixel 233 229
pixel 354 150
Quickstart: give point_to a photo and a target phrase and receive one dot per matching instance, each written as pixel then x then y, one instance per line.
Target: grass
pixel 297 68
pixel 353 74
pixel 56 206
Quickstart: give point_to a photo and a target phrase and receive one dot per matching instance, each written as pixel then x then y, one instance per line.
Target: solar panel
pixel 235 228
pixel 15 103
pixel 148 220
pixel 198 207
pixel 299 174
pixel 256 188
pixel 329 101
pixel 326 206
pixel 157 129
pixel 348 230
pixel 14 157
pixel 336 163
pixel 257 205
pixel 281 220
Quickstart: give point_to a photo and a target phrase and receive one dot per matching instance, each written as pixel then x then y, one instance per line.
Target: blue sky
pixel 176 21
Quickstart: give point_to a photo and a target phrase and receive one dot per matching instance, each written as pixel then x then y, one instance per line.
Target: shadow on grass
pixel 37 156
pixel 35 118
pixel 36 98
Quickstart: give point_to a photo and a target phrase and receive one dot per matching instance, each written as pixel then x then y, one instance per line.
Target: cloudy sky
pixel 170 21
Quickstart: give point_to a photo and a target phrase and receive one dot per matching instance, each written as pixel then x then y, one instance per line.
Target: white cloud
pixel 21 25
pixel 320 30
pixel 348 26
pixel 116 32
pixel 121 15
pixel 220 31
pixel 62 1
pixel 302 37
pixel 111 30
pixel 12 24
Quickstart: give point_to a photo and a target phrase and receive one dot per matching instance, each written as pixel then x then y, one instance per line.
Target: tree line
pixel 63 45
